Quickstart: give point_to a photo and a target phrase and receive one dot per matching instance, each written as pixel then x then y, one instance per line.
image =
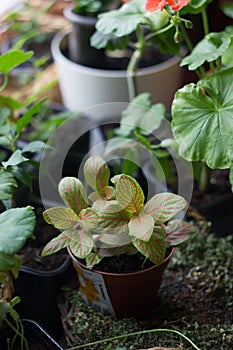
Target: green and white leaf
pixel 129 194
pixel 202 123
pixel 81 244
pixel 92 259
pixel 178 231
pixel 16 226
pixel 115 240
pixel 73 194
pixel 141 226
pixel 97 174
pixel 61 217
pixel 155 248
pixel 60 242
pixel 163 206
pixel 89 218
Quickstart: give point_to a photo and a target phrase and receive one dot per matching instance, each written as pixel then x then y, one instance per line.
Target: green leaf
pixel 152 119
pixel 15 159
pixel 202 123
pixel 81 244
pixel 118 143
pixel 61 217
pixel 12 59
pixel 129 194
pixel 227 8
pixel 10 103
pixel 155 248
pixel 141 226
pixel 178 231
pixel 9 262
pixel 60 242
pixel 16 225
pixel 97 173
pixel 207 50
pixel 125 20
pixel 163 206
pixel 7 185
pixel 23 176
pixel 34 146
pixel 27 117
pixel 109 41
pixel 73 194
pixel 133 114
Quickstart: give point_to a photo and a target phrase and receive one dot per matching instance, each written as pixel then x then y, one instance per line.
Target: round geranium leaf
pixel 202 120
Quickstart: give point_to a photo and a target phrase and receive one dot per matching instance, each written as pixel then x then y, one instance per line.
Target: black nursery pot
pixel 80 50
pixel 38 338
pixel 219 212
pixel 38 291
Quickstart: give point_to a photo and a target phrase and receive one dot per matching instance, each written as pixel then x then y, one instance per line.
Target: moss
pixel 195 298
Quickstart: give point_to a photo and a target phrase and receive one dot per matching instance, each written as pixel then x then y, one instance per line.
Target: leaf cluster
pixel 118 221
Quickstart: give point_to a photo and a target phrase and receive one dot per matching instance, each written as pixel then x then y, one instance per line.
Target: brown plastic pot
pixel 121 295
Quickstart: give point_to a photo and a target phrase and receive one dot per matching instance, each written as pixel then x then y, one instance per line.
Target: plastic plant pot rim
pixel 74 17
pixel 42 273
pixel 59 40
pixel 165 261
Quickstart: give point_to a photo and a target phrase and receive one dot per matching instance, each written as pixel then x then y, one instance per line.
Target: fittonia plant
pixel 118 220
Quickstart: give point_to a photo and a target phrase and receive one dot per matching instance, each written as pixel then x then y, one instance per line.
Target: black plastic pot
pixel 219 212
pixel 38 338
pixel 38 291
pixel 80 50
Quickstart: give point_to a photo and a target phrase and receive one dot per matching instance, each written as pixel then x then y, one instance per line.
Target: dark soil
pixel 31 252
pixel 195 299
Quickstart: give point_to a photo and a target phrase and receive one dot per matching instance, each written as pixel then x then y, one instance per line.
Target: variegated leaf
pixel 89 219
pixel 103 206
pixel 61 241
pixel 61 217
pixel 115 240
pixel 92 259
pixel 112 219
pixel 107 251
pixel 73 193
pixel 141 227
pixel 81 244
pixel 97 173
pixel 178 231
pixel 109 192
pixel 163 206
pixel 155 248
pixel 129 194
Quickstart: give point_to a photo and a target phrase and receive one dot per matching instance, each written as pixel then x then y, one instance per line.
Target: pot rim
pixel 73 17
pixel 60 39
pixel 164 262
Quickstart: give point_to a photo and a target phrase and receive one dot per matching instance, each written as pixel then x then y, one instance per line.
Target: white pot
pixel 86 89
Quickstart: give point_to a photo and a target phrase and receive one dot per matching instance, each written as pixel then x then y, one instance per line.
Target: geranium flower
pixel 176 5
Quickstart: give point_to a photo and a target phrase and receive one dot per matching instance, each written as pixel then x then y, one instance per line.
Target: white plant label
pixel 94 291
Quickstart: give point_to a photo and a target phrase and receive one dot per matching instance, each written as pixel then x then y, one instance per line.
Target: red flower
pixel 176 5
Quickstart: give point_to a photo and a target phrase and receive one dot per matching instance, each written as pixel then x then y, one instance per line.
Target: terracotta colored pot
pixel 121 295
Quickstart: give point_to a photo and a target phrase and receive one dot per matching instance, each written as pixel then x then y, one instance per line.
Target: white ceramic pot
pixel 86 89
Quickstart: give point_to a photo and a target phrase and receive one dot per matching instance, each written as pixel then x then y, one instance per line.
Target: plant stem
pixel 19 333
pixel 204 177
pixel 5 82
pixel 136 333
pixel 206 31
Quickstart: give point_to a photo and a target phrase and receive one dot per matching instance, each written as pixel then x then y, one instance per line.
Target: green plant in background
pixel 16 226
pixel 93 7
pixel 118 221
pixel 15 116
pixel 201 113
